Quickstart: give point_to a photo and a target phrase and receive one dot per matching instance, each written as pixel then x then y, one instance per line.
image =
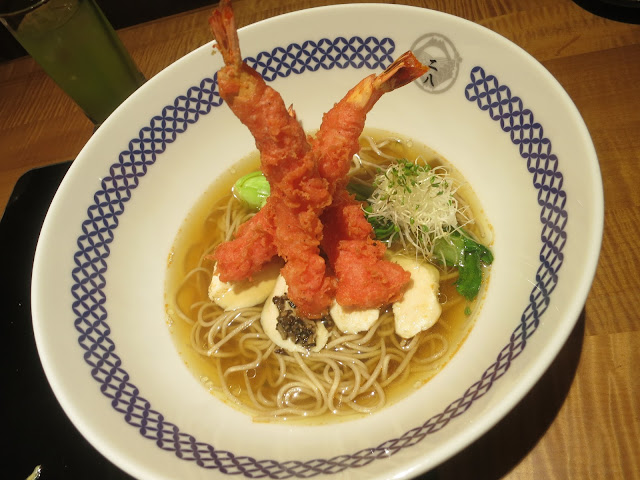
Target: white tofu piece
pixel 269 321
pixel 353 320
pixel 419 308
pixel 247 293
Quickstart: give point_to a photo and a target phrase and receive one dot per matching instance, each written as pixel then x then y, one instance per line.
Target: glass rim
pixel 22 11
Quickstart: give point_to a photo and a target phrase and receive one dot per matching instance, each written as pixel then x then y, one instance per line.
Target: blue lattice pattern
pixel 327 54
pixel 542 163
pixel 89 305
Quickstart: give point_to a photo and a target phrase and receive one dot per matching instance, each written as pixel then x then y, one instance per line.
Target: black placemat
pixel 627 11
pixel 36 431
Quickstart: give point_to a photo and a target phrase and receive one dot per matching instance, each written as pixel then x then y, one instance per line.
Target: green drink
pixel 77 47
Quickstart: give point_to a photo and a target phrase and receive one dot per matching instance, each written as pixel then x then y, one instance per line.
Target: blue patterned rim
pixel 124 176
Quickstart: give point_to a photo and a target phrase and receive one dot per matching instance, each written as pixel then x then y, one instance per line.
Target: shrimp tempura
pixel 304 181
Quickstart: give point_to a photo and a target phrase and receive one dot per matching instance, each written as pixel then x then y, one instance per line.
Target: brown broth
pixel 199 230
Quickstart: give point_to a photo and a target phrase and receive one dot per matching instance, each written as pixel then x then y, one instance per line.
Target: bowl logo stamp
pixel 437 51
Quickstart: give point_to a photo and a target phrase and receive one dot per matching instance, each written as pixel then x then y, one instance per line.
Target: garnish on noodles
pixel 339 276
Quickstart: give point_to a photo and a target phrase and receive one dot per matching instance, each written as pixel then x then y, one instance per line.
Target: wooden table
pixel 582 420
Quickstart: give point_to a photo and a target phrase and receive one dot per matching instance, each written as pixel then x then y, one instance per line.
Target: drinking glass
pixel 77 47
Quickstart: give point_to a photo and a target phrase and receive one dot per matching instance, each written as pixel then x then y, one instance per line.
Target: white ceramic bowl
pixel 99 271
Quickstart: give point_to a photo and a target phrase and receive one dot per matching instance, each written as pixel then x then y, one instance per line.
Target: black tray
pixel 36 431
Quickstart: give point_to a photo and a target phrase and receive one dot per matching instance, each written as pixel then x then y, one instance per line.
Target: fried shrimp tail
pixel 404 70
pixel 223 26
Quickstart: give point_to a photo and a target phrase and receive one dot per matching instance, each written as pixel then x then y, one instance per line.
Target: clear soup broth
pixel 355 374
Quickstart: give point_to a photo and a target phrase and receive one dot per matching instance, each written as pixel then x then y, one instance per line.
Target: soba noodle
pixel 354 374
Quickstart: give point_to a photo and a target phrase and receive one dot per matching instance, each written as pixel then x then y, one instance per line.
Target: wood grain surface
pixel 582 420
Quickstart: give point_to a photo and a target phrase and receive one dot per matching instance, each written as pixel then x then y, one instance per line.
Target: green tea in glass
pixel 77 47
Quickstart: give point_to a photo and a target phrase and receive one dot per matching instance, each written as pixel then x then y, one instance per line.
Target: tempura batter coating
pixel 252 247
pixel 365 278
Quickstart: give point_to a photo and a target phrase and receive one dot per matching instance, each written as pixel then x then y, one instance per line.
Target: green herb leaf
pixel 460 250
pixel 383 229
pixel 362 192
pixel 469 276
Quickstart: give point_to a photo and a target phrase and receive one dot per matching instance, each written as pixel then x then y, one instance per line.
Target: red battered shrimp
pixel 304 181
pixel 365 278
pixel 279 138
pixel 251 248
pixel 289 223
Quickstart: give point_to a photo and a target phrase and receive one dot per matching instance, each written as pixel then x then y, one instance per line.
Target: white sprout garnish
pixel 419 201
